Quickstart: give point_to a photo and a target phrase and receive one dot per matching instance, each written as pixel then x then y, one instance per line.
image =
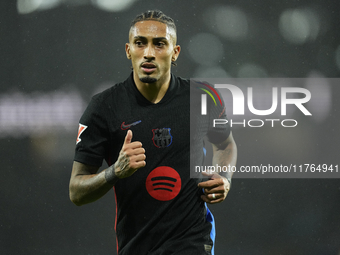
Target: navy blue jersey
pixel 159 209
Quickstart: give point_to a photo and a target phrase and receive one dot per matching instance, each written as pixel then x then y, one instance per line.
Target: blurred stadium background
pixel 56 54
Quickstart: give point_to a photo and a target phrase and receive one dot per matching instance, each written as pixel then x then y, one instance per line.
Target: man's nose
pixel 149 52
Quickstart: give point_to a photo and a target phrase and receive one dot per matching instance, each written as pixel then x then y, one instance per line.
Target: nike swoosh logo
pixel 127 126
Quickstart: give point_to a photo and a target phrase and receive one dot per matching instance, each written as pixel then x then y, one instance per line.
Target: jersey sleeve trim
pixel 92 143
pixel 88 159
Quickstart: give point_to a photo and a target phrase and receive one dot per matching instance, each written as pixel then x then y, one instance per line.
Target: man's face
pixel 151 48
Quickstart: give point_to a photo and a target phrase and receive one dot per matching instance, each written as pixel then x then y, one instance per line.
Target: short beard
pixel 148 80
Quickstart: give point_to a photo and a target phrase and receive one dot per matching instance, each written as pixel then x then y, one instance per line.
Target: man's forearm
pixel 87 188
pixel 225 154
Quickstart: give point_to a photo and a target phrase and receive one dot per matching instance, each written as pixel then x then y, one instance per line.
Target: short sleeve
pixel 93 135
pixel 218 117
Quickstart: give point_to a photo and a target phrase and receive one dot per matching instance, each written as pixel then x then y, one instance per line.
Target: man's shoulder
pixel 182 81
pixel 190 82
pixel 117 90
pixel 182 85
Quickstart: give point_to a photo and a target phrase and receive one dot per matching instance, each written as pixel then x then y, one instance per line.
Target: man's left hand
pixel 216 189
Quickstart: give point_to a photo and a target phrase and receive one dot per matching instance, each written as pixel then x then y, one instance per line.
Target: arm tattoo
pixel 110 175
pixel 120 168
pixel 123 163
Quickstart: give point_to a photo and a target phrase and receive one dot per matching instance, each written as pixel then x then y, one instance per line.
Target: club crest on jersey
pixel 162 137
pixel 81 129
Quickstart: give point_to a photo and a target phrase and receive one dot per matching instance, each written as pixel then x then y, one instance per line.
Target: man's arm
pixel 87 186
pixel 224 154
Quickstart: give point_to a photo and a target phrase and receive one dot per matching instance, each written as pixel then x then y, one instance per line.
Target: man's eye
pixel 160 44
pixel 139 43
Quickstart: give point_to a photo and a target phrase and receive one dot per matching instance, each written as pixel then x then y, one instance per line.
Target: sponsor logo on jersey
pixel 127 126
pixel 161 137
pixel 81 129
pixel 163 183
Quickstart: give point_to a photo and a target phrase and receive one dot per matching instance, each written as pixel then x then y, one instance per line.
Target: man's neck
pixel 153 92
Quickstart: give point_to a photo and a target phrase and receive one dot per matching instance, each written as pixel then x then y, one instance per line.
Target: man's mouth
pixel 148 67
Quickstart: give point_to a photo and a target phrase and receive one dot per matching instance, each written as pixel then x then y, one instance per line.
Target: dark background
pixel 56 55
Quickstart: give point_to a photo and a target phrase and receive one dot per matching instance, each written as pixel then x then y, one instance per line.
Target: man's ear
pixel 127 50
pixel 177 50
